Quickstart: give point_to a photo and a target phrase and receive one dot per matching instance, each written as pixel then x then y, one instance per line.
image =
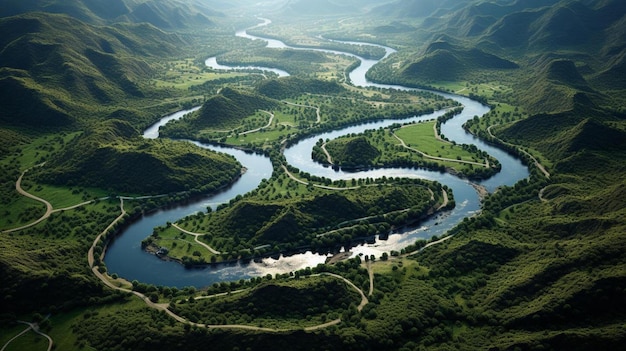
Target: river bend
pixel 126 258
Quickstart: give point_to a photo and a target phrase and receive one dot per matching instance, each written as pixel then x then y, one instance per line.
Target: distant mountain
pixel 165 14
pixel 565 24
pixel 418 8
pixel 53 64
pixel 327 7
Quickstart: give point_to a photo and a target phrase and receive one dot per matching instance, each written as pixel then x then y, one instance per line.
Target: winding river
pixel 126 258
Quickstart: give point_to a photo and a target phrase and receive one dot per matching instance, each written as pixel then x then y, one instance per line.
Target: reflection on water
pixel 126 258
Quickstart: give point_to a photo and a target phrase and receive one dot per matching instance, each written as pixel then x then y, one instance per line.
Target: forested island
pixel 538 264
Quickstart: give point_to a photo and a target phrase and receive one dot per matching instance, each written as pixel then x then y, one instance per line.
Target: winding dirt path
pixel 260 128
pixel 31 326
pixel 317 109
pixel 90 257
pixel 293 177
pixel 438 137
pixel 49 208
pixel 329 158
pixel 444 194
pixel 196 236
pixel 18 187
pixel 404 145
pixel 541 192
pixel 364 300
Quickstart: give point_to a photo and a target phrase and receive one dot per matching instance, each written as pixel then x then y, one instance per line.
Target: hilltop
pixel 352 152
pixel 444 61
pixel 113 156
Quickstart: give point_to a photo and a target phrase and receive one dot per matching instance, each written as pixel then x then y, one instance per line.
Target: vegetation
pixel 113 156
pixel 285 215
pixel 275 304
pixel 300 107
pixel 541 267
pixel 421 148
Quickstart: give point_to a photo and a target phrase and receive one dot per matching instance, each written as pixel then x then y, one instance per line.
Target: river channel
pixel 126 258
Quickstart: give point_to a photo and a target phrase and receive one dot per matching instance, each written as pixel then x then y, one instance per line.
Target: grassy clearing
pixel 61 197
pixel 180 244
pixel 21 211
pixel 421 136
pixel 42 147
pixel 183 74
pixel 485 89
pixel 28 341
pixel 387 267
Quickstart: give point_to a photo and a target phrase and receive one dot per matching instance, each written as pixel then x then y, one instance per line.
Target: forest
pixel 539 265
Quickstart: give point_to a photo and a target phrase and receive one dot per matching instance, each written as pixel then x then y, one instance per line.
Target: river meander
pixel 126 258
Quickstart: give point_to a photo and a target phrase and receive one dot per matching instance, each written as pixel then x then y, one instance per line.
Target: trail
pixel 317 109
pixel 49 208
pixel 196 235
pixel 329 159
pixel 31 326
pixel 438 137
pixel 18 187
pixel 260 128
pixel 90 257
pixel 438 158
pixel 444 194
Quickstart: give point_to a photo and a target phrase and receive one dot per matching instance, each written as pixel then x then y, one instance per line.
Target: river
pixel 126 258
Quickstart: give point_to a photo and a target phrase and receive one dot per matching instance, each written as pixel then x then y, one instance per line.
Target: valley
pixel 289 170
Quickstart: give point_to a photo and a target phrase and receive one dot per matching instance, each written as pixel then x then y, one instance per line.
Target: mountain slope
pixel 58 66
pixel 443 61
pixel 165 14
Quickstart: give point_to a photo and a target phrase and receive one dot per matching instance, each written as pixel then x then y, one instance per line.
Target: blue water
pixel 126 258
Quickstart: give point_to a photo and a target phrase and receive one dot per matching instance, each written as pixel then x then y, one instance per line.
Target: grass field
pixel 421 137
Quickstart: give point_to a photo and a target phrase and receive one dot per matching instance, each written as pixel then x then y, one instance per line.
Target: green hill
pixel 554 85
pixel 351 152
pixel 296 221
pixel 559 135
pixel 57 67
pixel 113 156
pixel 444 61
pixel 227 109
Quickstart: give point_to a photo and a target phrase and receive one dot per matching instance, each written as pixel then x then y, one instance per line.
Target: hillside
pixel 444 61
pixel 560 135
pixel 313 220
pixel 537 265
pixel 351 152
pixel 169 14
pixel 113 156
pixel 222 111
pixel 58 67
